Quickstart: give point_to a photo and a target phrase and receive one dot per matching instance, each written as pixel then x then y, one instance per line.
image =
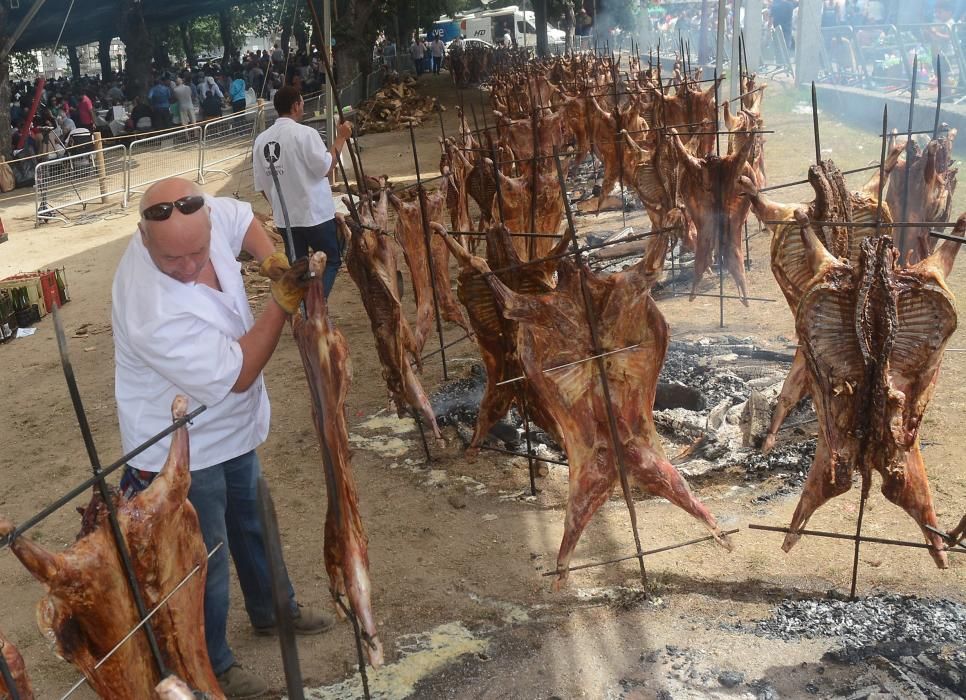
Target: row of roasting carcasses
pixel 872 311
pixel 871 334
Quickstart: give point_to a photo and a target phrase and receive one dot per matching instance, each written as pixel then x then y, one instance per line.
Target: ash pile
pixel 900 646
pixel 715 400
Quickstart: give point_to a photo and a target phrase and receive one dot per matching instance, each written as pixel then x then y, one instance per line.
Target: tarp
pixel 92 19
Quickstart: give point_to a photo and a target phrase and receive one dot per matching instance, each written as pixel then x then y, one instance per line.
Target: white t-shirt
pixel 438 48
pixel 302 165
pixel 175 338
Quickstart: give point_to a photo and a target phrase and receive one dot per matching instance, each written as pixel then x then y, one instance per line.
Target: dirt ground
pixel 456 558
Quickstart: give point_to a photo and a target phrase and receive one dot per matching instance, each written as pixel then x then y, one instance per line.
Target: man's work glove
pixel 288 282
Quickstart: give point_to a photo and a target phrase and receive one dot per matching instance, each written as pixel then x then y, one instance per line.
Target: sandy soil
pixel 461 605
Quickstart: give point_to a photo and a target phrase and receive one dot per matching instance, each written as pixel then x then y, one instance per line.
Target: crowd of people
pixel 71 110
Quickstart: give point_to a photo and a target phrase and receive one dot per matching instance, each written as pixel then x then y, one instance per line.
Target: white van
pixel 520 26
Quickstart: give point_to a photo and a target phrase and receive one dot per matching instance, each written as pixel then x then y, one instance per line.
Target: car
pixel 471 42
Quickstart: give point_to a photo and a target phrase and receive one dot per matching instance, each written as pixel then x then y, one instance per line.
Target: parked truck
pixel 519 27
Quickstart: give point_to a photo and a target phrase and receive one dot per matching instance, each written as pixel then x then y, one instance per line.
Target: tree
pixel 138 46
pixel 74 62
pixel 228 40
pixel 104 55
pixel 184 30
pixel 5 131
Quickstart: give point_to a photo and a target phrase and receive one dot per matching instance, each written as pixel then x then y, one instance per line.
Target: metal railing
pixel 195 150
pixel 228 138
pixel 79 179
pixel 166 155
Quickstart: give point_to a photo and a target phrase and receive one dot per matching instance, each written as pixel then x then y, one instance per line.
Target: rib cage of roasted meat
pixel 325 357
pixel 372 260
pixel 414 240
pixel 88 608
pixel 496 335
pixel 18 671
pixel 552 330
pixel 789 257
pixel 931 185
pixel 873 336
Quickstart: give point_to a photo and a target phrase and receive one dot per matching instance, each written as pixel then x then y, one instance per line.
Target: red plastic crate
pixel 48 281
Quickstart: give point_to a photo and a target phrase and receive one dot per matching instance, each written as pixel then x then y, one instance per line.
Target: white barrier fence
pixel 194 151
pixel 79 179
pixel 165 155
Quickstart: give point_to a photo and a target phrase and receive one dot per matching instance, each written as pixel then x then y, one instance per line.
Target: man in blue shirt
pixel 159 97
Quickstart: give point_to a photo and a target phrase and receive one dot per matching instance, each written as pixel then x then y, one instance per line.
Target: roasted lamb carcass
pixel 372 260
pixel 496 335
pixel 552 331
pixel 789 257
pixel 513 206
pixel 88 608
pixel 325 356
pixel 17 669
pixel 702 181
pixel 414 241
pixel 932 182
pixel 873 336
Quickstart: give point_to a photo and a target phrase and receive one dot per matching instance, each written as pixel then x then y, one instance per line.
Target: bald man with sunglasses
pixel 182 325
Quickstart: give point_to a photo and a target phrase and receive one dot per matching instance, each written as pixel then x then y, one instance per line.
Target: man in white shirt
pixel 303 168
pixel 182 325
pixel 438 48
pixel 418 52
pixel 186 108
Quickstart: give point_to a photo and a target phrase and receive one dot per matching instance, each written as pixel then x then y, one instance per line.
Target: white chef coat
pixel 302 168
pixel 175 338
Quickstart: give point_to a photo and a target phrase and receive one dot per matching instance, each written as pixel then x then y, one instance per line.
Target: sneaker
pixel 238 684
pixel 306 622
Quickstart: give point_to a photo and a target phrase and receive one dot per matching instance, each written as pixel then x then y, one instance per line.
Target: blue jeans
pixel 224 496
pixel 322 238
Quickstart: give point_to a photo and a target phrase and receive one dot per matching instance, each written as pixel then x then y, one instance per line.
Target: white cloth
pixel 438 48
pixel 174 338
pixel 302 167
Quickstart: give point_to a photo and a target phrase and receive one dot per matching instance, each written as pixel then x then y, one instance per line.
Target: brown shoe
pixel 307 622
pixel 238 684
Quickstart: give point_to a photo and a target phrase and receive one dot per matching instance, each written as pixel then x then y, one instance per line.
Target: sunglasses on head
pixel 162 210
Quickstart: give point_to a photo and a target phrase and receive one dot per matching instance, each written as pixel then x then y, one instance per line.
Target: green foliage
pixel 24 64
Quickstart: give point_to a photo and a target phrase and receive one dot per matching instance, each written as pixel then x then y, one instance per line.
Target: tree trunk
pixel 161 58
pixel 5 130
pixel 353 40
pixel 187 44
pixel 227 40
pixel 104 57
pixel 540 18
pixel 74 62
pixel 138 46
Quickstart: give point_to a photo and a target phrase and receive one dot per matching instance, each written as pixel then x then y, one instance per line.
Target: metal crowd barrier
pixel 125 170
pixel 165 155
pixel 79 179
pixel 227 139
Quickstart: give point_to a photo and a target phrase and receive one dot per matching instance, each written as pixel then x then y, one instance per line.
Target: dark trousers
pixel 225 499
pixel 161 118
pixel 238 106
pixel 437 62
pixel 321 238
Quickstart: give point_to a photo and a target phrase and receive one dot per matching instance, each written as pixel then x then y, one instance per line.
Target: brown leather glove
pixel 288 282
